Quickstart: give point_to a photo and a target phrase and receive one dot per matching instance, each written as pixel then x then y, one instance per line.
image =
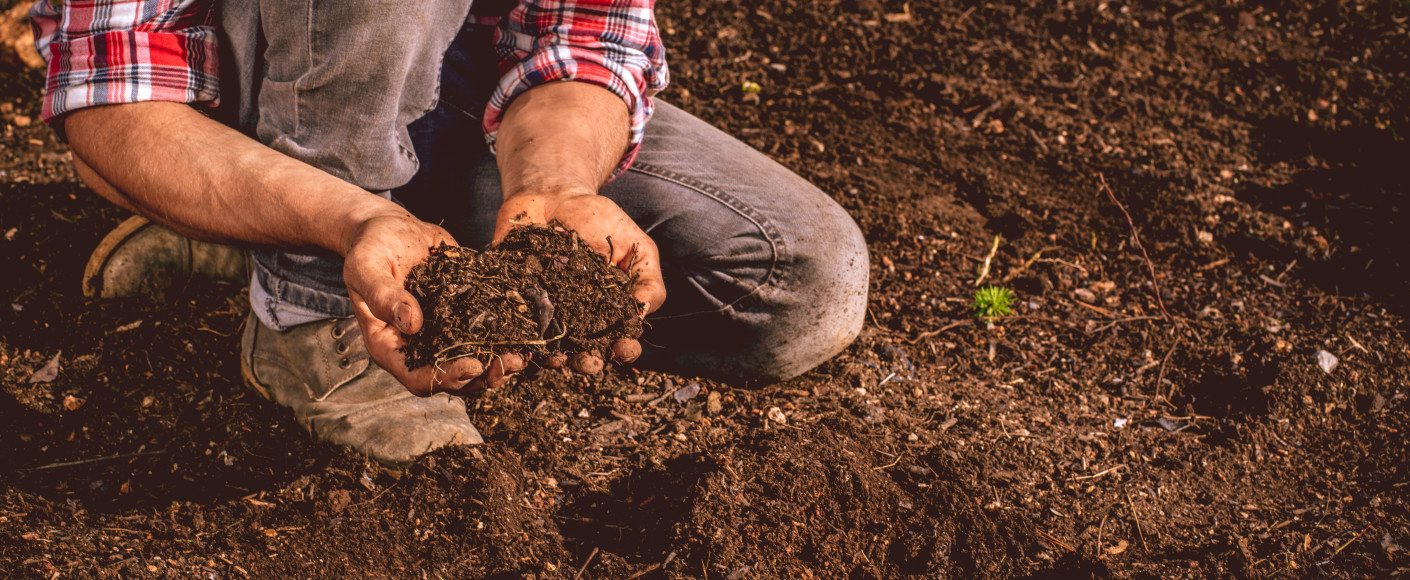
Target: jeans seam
pixel 778 248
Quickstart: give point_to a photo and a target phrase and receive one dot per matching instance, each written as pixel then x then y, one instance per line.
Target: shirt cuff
pixel 128 67
pixel 561 63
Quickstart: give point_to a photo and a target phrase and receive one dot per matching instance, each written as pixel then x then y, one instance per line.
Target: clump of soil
pixel 541 290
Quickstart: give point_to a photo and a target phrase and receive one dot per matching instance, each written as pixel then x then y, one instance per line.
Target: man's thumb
pixel 397 308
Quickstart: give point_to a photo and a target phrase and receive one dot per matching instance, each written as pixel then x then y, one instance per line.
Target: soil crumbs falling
pixel 540 290
pixel 1258 146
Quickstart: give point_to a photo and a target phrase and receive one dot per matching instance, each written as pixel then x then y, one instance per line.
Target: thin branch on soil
pixel 1136 237
pixel 1123 321
pixel 1053 539
pixel 988 261
pixel 375 497
pixel 1160 375
pixel 977 120
pixel 1214 264
pixel 1064 263
pixel 1353 539
pixel 960 20
pixel 1100 530
pixel 648 570
pixel 93 460
pixel 1271 282
pixel 1034 258
pixel 890 465
pixel 1095 308
pixel 1137 519
pixel 585 564
pixel 1098 474
pixel 930 333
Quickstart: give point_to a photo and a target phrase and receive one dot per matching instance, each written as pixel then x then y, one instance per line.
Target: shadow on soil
pixel 1349 190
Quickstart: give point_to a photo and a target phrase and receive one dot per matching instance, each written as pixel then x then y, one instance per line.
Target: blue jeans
pixel 766 276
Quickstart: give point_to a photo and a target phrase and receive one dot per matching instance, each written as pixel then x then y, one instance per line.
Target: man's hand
pixel 604 226
pixel 379 252
pixel 558 144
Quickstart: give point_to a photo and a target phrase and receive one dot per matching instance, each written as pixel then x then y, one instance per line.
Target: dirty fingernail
pixel 402 315
pixel 473 368
pixel 514 364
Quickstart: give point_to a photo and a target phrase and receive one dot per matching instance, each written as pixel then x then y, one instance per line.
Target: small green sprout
pixel 992 302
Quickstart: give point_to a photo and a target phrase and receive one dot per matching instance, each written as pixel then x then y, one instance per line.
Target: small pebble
pixel 713 403
pixel 687 392
pixel 1085 295
pixel 1327 361
pixel 776 415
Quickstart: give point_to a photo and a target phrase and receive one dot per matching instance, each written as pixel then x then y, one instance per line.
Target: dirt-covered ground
pixel 1260 149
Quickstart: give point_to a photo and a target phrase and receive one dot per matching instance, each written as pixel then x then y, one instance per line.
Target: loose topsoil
pixel 1259 148
pixel 541 290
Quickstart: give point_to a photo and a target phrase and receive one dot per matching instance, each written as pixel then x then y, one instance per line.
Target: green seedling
pixel 992 302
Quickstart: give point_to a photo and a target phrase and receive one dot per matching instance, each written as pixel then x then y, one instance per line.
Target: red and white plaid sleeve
pixel 104 52
pixel 613 44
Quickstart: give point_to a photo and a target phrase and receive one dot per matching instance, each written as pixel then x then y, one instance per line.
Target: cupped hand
pixel 608 230
pixel 378 255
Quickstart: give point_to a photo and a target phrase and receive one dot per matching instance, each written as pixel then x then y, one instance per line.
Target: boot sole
pixel 93 271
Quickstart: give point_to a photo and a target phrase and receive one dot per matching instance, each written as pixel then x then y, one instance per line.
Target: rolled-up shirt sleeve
pixel 102 52
pixel 613 44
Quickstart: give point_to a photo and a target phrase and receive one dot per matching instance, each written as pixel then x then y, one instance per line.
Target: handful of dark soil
pixel 542 290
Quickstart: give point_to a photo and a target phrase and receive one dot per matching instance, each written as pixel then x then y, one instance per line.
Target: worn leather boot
pixel 141 258
pixel 322 372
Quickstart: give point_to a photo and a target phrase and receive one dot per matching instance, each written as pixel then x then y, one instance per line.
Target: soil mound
pixel 820 502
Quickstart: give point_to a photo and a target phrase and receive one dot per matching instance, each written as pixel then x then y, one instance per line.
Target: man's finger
pixel 498 371
pixel 625 350
pixel 586 363
pixel 386 297
pixel 650 287
pixel 455 375
pixel 555 361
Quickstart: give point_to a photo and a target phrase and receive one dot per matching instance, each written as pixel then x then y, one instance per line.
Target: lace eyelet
pixel 345 363
pixel 337 333
pixel 341 348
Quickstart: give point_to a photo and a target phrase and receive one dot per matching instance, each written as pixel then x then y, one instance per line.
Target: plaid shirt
pixel 124 51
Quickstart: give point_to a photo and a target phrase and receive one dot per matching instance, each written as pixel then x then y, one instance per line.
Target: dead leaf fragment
pixel 73 403
pixel 49 372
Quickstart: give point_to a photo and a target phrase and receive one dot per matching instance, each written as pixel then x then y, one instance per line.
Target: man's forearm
pixel 207 181
pixel 563 137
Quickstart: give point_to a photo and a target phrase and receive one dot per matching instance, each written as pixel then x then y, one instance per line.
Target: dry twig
pixel 930 333
pixel 585 564
pixel 1136 238
pixel 1160 375
pixel 1097 474
pixel 93 460
pixel 988 261
pixel 1137 519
